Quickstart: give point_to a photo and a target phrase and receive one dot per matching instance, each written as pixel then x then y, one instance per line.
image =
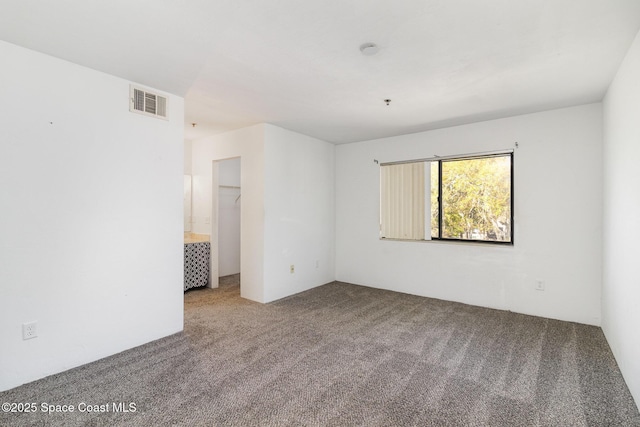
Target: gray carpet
pixel 346 355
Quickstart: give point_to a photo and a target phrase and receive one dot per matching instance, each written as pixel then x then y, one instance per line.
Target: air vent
pixel 148 103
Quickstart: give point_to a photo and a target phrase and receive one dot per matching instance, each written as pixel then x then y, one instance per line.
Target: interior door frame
pixel 213 233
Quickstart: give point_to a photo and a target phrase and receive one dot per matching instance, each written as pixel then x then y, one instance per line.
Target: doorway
pixel 225 227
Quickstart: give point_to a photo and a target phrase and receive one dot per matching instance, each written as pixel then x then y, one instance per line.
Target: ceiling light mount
pixel 369 49
pixel 387 101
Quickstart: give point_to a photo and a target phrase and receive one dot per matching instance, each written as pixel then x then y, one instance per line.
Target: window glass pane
pixel 476 199
pixel 435 208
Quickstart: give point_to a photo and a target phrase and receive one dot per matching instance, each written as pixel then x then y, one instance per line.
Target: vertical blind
pixel 403 205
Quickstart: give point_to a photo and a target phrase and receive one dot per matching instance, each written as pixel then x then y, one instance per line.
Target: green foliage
pixel 476 198
pixel 434 200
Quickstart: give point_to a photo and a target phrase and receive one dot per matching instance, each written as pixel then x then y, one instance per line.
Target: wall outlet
pixel 207 220
pixel 317 263
pixel 292 269
pixel 29 330
pixel 539 285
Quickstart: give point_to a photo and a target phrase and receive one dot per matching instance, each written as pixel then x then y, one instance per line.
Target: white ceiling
pixel 297 64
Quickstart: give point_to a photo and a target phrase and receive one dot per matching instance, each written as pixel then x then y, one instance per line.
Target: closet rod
pixel 228 186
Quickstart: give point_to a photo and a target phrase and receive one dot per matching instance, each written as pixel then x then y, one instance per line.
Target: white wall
pixel 621 278
pixel 187 203
pixel 91 225
pixel 299 212
pixel 287 216
pixel 187 186
pixel 558 218
pixel 229 209
pixel 187 157
pixel 248 144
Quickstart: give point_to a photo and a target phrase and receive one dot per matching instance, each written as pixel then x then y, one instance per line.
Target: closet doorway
pixel 225 224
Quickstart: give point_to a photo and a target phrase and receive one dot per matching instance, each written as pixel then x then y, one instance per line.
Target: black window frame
pixel 440 204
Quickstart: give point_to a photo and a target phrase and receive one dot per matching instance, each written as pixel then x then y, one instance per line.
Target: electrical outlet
pixel 207 220
pixel 539 285
pixel 29 330
pixel 292 269
pixel 317 263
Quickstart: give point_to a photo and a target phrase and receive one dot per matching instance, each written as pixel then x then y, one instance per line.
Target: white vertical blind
pixel 402 210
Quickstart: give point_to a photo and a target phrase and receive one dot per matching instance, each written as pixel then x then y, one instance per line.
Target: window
pixel 459 198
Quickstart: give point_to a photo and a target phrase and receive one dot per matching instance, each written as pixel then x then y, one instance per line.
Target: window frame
pixel 440 160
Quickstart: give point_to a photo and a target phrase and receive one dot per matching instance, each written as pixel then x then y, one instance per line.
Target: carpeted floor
pixel 346 355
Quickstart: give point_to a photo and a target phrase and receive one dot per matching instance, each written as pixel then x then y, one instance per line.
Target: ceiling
pixel 297 64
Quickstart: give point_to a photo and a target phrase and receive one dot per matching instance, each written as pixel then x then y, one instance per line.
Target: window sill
pixel 453 241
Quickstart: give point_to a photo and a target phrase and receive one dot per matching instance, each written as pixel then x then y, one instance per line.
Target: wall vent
pixel 147 103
